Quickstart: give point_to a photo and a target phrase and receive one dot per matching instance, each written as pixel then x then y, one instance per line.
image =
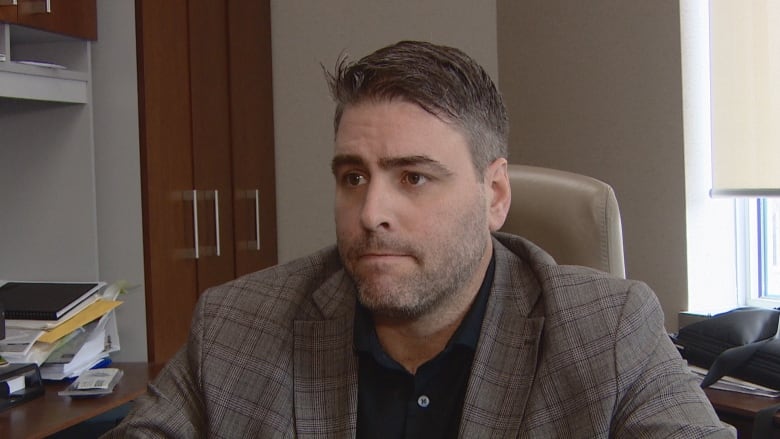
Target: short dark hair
pixel 442 80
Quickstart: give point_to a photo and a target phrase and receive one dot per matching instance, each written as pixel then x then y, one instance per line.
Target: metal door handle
pixel 193 195
pixel 216 219
pixel 38 7
pixel 257 219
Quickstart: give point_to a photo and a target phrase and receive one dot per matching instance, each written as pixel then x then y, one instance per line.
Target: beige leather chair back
pixel 573 217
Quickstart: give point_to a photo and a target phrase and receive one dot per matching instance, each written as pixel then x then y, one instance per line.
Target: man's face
pixel 411 212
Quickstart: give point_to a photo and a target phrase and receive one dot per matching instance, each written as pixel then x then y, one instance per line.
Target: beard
pixel 442 264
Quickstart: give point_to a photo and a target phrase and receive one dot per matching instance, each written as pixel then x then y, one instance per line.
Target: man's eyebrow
pixel 390 162
pixel 345 160
pixel 415 160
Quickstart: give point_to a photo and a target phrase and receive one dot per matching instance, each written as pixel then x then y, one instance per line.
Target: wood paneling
pixel 77 18
pixel 211 142
pixel 8 14
pixel 206 125
pixel 253 134
pixel 166 160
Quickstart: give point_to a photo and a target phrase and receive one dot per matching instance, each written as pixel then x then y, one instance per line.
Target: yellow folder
pixel 90 313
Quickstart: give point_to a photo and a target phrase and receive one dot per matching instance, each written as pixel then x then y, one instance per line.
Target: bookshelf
pixel 43 66
pixel 70 176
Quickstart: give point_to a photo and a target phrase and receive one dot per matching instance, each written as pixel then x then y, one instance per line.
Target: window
pixel 769 259
pixel 745 105
pixel 760 237
pixel 731 104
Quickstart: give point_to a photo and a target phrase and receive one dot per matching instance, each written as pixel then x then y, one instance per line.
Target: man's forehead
pixel 378 104
pixel 388 134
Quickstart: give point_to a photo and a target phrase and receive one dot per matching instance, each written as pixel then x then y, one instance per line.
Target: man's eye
pixel 414 179
pixel 354 179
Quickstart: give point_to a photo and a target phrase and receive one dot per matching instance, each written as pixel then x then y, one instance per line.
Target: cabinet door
pixel 8 13
pixel 76 18
pixel 167 174
pixel 207 134
pixel 210 101
pixel 252 127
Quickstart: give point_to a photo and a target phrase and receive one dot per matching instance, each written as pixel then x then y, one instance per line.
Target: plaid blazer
pixel 563 352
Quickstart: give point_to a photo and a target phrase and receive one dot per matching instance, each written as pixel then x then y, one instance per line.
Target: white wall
pixel 118 169
pixel 307 34
pixel 595 87
pixel 711 222
pixel 47 201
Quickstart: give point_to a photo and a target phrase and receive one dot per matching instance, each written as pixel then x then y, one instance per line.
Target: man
pixel 423 321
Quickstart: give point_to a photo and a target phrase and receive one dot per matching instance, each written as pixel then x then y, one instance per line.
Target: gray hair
pixel 442 80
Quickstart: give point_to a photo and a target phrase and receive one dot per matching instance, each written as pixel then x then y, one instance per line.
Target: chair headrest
pixel 573 217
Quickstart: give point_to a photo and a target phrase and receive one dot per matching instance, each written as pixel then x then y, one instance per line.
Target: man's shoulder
pixel 574 299
pixel 567 288
pixel 563 287
pixel 293 281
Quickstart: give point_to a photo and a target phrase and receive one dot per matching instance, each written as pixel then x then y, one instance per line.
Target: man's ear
pixel 499 193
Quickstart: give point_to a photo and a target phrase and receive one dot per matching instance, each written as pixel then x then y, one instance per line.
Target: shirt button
pixel 423 401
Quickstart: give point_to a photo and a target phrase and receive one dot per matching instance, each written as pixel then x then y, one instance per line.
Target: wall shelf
pixel 28 82
pixel 62 71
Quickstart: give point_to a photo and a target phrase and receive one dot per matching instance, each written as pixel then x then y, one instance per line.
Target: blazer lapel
pixel 325 365
pixel 505 362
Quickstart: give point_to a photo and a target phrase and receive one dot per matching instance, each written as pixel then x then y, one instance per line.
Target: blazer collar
pixel 505 362
pixel 325 364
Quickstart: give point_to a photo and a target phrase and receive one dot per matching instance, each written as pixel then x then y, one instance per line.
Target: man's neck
pixel 414 342
pixel 412 345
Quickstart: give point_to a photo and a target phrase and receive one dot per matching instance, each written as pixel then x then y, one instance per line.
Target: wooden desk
pixel 740 409
pixel 51 413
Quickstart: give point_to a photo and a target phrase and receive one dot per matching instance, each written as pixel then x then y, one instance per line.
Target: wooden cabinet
pixel 252 134
pixel 77 18
pixel 207 157
pixel 7 11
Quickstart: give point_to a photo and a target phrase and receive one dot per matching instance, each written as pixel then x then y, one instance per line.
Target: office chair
pixel 573 217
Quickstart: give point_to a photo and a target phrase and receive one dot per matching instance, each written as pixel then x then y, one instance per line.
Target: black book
pixel 43 300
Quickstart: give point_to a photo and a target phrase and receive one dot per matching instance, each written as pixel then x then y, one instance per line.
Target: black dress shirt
pixel 393 403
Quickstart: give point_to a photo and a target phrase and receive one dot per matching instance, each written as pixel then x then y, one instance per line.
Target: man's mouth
pixel 383 256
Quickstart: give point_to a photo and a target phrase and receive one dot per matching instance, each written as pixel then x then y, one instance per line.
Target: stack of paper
pixel 736 385
pixel 77 341
pixel 18 343
pixel 91 345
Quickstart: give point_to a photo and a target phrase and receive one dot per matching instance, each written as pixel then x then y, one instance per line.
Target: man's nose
pixel 376 212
